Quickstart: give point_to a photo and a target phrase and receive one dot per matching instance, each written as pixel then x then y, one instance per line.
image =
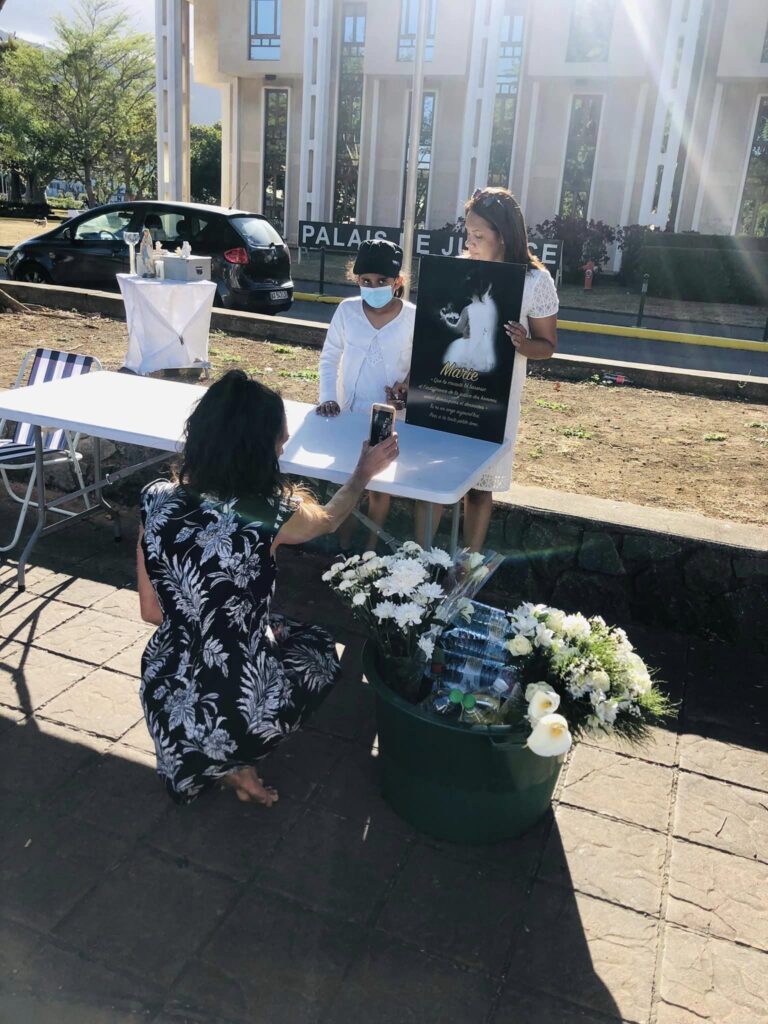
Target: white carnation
pixel 360 598
pixel 576 626
pixel 368 555
pixel 346 585
pixel 476 559
pixel 427 644
pixel 410 547
pixel 385 610
pixel 436 556
pixel 408 614
pixel 327 576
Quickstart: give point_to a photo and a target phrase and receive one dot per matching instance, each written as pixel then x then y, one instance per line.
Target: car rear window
pixel 257 231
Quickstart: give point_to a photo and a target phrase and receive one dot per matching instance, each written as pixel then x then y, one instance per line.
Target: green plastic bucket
pixel 456 781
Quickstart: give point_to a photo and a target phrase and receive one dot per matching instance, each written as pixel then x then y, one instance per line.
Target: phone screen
pixel 382 422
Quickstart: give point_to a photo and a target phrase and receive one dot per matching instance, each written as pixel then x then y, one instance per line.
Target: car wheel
pixel 33 273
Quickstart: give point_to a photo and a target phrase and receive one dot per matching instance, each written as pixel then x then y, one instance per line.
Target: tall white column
pixel 481 96
pixel 669 114
pixel 315 119
pixel 173 85
pixel 230 143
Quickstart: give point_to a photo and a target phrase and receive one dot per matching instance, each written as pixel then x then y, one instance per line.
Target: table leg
pixel 426 540
pixel 41 508
pixel 455 528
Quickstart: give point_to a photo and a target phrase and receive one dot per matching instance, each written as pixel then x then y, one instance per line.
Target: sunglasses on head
pixel 483 200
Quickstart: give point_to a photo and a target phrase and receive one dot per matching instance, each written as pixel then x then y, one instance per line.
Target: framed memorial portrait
pixel 461 367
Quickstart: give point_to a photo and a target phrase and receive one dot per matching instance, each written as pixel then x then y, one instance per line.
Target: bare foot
pixel 249 787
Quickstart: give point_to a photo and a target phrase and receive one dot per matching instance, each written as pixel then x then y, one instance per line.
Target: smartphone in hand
pixel 382 422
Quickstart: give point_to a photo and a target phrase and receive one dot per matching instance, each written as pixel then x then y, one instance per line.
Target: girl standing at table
pixel 223 679
pixel 366 357
pixel 496 232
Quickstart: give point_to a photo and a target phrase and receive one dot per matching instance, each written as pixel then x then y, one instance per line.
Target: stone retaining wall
pixel 673 571
pixel 685 584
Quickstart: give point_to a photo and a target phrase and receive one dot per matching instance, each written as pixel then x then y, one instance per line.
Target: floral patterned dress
pixel 223 681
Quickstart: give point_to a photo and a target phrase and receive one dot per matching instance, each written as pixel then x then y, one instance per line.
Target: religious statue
pixel 145 267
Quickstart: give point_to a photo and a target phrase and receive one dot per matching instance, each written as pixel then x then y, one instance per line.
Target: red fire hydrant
pixel 589 274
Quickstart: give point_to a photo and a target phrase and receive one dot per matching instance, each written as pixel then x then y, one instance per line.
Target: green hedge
pixel 702 268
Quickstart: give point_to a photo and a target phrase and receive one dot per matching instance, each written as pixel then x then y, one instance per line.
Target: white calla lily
pixel 550 736
pixel 543 702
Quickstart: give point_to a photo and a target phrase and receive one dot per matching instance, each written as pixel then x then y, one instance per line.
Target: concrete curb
pixel 312 334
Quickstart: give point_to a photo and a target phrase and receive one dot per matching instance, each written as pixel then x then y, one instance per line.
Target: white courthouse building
pixel 626 111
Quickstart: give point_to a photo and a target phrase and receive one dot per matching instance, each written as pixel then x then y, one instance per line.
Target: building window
pixel 590 35
pixel 275 156
pixel 350 113
pixel 409 20
pixel 266 16
pixel 580 156
pixel 505 103
pixel 425 159
pixel 753 213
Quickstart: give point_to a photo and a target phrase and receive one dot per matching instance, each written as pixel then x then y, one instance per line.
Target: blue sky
pixel 34 21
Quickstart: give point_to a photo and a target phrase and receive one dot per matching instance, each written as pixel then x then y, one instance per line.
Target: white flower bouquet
pixel 578 676
pixel 405 599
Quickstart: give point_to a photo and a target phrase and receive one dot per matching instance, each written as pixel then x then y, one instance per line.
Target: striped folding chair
pixel 17 454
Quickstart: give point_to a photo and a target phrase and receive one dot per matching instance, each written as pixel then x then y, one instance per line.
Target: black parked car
pixel 250 263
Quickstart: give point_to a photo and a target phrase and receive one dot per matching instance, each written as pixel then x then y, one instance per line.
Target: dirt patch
pixel 652 448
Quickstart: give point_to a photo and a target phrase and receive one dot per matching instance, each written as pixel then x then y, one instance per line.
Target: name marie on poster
pixel 459 372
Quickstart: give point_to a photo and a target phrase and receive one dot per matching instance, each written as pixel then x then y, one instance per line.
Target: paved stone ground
pixel 643 897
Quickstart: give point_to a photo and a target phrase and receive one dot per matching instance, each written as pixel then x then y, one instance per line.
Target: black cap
pixel 378 256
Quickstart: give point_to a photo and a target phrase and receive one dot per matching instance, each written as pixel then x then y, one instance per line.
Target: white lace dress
pixel 539 300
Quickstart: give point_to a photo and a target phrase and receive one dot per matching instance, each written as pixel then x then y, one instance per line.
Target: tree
pixel 30 139
pixel 205 163
pixel 96 85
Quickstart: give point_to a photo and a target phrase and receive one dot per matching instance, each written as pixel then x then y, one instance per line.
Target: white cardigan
pixel 351 371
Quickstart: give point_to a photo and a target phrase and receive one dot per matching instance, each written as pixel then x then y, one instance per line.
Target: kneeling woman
pixel 224 680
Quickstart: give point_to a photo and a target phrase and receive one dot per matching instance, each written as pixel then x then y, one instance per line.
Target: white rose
pixel 598 680
pixel 638 673
pixel 427 644
pixel 555 619
pixel 359 599
pixel 543 702
pixel 550 736
pixel 519 646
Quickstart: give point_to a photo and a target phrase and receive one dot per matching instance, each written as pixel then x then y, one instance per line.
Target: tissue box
pixel 194 268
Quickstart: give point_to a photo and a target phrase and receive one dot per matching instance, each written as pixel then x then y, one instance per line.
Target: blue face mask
pixel 377 297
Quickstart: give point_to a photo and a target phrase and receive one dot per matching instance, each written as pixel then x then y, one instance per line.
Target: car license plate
pixel 277 296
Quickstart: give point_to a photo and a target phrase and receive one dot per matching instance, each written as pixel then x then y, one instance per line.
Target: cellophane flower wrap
pixel 578 676
pixel 404 599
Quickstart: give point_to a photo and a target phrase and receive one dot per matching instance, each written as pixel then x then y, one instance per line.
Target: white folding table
pixel 432 466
